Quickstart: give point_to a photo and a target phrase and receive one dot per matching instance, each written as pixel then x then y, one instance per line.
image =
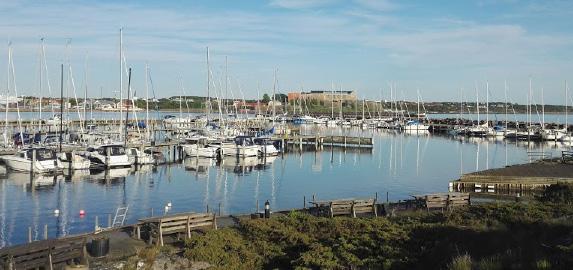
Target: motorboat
pixel 139 157
pixel 37 160
pixel 200 147
pixel 73 161
pixel 266 147
pixel 108 156
pixel 242 146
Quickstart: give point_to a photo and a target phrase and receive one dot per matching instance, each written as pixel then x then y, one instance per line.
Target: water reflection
pixel 400 164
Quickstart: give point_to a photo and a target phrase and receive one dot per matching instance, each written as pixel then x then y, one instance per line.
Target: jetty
pixel 521 178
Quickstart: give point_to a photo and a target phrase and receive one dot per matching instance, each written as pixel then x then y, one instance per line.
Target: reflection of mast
pixel 273 188
pixel 477 157
pixel 418 156
pixel 3 213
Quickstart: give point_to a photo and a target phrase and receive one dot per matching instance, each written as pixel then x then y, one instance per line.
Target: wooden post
pixel 109 220
pixel 207 208
pixel 96 223
pixel 303 202
pixel 387 200
pixel 29 234
pixel 219 208
pixel 257 206
pixel 45 231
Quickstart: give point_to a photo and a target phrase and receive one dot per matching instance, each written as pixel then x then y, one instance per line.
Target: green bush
pixel 558 193
pixel 498 236
pixel 224 248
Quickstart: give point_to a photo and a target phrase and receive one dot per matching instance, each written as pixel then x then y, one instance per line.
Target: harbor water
pixel 399 165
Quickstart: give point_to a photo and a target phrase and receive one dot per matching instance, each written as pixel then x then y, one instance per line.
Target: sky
pixel 441 49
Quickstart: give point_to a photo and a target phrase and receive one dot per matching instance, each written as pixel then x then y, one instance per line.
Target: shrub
pixel 463 262
pixel 558 193
pixel 224 248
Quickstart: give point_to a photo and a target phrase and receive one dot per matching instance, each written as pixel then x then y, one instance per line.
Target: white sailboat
pixel 416 125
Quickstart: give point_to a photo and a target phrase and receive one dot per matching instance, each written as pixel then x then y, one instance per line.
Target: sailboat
pixel 416 125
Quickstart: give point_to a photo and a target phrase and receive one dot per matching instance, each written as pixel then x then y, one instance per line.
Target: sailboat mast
pixel 126 109
pixel 147 99
pixel 274 94
pixel 566 103
pixel 120 77
pixel 40 89
pixel 477 102
pixel 61 105
pixel 487 103
pixel 86 87
pixel 208 104
pixel 542 110
pixel 505 99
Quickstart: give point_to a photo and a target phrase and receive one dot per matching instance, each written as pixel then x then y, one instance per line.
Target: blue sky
pixel 437 46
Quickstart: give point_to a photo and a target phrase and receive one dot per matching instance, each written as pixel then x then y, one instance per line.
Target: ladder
pixel 119 218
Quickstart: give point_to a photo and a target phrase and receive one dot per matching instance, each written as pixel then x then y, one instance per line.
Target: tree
pixel 266 98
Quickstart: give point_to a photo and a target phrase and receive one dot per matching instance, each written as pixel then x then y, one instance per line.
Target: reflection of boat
pixel 199 165
pixel 76 175
pixel 38 160
pixel 110 173
pixel 240 165
pixel 38 180
pixel 109 156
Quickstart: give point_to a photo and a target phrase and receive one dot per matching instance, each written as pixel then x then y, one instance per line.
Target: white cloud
pixel 300 4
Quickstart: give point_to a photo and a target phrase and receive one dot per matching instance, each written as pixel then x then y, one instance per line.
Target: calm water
pixel 399 164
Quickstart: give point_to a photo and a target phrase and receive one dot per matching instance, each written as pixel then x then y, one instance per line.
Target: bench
pixel 458 199
pixel 349 207
pixel 364 207
pixel 44 254
pixel 443 200
pixel 178 224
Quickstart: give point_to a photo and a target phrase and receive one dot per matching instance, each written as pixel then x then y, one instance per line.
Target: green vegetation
pixel 532 235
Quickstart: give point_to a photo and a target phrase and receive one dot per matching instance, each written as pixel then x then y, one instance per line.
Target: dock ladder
pixel 119 218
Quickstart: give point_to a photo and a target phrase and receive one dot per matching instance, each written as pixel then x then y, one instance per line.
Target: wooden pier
pixel 522 178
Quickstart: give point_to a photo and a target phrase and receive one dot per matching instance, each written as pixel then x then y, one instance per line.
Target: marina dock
pixel 521 178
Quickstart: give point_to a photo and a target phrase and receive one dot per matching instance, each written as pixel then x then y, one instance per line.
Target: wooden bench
pixel 458 199
pixel 178 224
pixel 341 208
pixel 434 201
pixel 443 200
pixel 44 254
pixel 347 207
pixel 364 207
